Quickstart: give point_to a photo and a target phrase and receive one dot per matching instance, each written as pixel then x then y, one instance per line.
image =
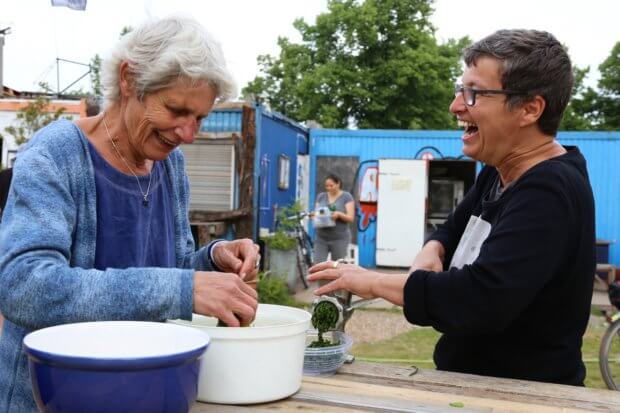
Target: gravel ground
pixel 369 326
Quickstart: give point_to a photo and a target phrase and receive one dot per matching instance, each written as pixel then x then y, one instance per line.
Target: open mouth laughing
pixel 469 127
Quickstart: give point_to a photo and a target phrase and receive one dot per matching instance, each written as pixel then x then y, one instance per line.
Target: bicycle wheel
pixel 302 267
pixel 609 356
pixel 306 248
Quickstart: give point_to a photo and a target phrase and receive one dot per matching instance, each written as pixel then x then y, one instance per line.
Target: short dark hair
pixel 534 62
pixel 334 178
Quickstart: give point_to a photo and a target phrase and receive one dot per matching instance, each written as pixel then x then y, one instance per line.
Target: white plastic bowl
pixel 255 364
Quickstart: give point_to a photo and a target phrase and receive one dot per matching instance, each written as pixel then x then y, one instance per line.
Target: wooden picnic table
pixel 374 387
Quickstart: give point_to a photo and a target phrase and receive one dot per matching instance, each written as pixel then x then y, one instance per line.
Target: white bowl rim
pixel 36 344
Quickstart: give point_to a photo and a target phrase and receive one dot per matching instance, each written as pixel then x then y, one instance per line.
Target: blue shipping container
pixel 601 150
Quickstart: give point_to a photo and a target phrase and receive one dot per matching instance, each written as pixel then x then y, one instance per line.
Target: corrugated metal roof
pixel 222 120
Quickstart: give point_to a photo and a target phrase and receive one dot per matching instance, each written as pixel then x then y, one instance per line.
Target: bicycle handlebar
pixel 299 216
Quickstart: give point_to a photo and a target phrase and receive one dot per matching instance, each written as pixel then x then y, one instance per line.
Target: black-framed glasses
pixel 469 93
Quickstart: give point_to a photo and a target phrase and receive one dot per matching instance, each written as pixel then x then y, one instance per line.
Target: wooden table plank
pixel 373 387
pixel 485 387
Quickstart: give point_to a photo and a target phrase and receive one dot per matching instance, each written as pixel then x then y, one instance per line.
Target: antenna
pixel 3 32
pixel 58 60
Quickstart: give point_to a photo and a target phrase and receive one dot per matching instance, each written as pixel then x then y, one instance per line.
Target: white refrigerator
pixel 401 211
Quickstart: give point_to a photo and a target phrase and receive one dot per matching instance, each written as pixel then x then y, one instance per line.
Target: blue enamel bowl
pixel 115 366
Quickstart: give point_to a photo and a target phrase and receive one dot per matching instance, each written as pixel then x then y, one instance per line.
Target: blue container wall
pixel 600 149
pixel 222 120
pixel 278 136
pixel 602 152
pixel 275 135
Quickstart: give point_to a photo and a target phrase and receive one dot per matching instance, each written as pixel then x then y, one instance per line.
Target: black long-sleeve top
pixel 521 308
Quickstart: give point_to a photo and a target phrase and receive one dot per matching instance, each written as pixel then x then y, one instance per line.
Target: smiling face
pixel 491 128
pixel 332 187
pixel 165 119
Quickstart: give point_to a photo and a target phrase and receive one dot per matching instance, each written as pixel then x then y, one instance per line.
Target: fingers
pixel 328 288
pixel 240 316
pixel 241 257
pixel 251 260
pixel 248 290
pixel 328 274
pixel 322 266
pixel 225 296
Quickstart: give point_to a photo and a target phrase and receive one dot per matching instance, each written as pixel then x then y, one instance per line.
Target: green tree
pixel 580 114
pixel 372 64
pixel 95 74
pixel 609 85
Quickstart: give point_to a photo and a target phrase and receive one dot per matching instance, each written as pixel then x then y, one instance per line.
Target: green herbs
pixel 324 318
pixel 280 240
pixel 284 237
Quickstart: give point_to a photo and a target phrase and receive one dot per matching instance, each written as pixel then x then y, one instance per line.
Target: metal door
pixel 401 208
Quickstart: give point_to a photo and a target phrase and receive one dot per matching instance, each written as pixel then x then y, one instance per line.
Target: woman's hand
pixel 225 296
pixel 430 258
pixel 239 256
pixel 359 281
pixel 349 277
pixel 348 215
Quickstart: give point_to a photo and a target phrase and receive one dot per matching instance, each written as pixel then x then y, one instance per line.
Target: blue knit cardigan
pixel 47 253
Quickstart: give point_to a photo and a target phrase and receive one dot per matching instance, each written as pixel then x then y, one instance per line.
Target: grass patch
pixel 413 347
pixel 416 347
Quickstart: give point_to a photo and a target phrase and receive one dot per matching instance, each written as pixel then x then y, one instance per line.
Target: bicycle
pixel 609 352
pixel 304 246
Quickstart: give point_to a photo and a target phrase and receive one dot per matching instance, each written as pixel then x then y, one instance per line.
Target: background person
pixel 96 223
pixel 508 278
pixel 334 239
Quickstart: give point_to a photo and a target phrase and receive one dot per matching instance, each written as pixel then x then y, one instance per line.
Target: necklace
pixel 145 195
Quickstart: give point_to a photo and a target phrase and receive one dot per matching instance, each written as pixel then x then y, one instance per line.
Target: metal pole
pixel 57 76
pixel 1 64
pixel 3 32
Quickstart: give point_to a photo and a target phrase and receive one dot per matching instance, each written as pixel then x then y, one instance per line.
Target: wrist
pixel 211 252
pixel 436 248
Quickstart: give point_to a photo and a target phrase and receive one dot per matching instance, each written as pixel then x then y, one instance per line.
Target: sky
pixel 41 33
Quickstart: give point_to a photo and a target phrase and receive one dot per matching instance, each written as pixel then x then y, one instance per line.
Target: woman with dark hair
pixel 335 209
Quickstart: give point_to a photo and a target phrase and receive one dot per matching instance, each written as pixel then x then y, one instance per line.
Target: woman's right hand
pixel 225 296
pixel 430 258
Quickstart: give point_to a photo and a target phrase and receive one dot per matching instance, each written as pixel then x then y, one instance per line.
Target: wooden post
pixel 245 147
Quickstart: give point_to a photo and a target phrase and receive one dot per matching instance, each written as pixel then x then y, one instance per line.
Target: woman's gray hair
pixel 162 50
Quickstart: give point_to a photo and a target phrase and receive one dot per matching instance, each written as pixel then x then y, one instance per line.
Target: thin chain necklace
pixel 145 195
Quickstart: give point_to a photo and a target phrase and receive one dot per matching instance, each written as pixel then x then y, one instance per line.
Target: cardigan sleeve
pixel 40 287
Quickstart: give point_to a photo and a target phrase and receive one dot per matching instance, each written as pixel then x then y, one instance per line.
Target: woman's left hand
pixel 353 278
pixel 336 215
pixel 239 256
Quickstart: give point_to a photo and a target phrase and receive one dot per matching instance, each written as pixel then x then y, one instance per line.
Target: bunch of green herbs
pixel 324 318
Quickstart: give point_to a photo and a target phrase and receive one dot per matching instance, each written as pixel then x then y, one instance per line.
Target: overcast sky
pixel 248 28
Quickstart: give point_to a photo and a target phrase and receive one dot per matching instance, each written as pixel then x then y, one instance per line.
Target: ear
pixel 532 111
pixel 125 80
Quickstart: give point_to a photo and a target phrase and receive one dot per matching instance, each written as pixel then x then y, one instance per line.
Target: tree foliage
pixel 95 75
pixel 609 85
pixel 371 63
pixel 591 109
pixel 578 115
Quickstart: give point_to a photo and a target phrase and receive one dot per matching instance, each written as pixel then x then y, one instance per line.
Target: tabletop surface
pixel 373 387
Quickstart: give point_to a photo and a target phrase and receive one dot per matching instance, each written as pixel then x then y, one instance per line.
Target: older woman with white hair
pixel 96 223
